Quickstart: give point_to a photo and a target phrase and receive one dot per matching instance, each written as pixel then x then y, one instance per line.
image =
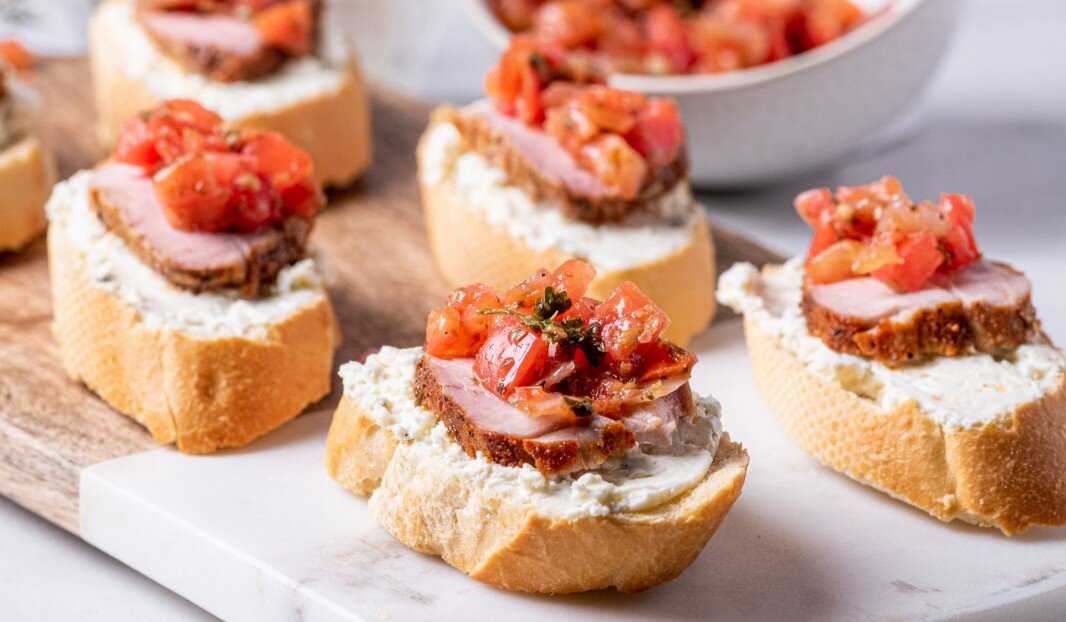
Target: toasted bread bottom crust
pixel 202 394
pixel 1010 474
pixel 468 249
pixel 333 128
pixel 27 174
pixel 512 546
pixel 948 329
pixel 498 149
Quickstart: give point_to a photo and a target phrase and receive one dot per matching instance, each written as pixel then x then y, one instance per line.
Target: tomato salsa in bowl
pixel 765 122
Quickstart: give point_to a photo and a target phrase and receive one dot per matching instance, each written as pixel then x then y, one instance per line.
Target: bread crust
pixel 27 174
pixel 1009 474
pixel 202 394
pixel 498 149
pixel 515 547
pixel 334 128
pixel 469 249
pixel 948 329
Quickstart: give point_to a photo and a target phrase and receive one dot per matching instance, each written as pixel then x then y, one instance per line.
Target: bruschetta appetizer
pixel 553 168
pixel 270 64
pixel 897 355
pixel 183 291
pixel 27 168
pixel 540 440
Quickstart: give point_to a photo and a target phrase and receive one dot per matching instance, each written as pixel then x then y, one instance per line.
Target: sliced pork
pixel 480 422
pixel 984 307
pixel 536 162
pixel 221 47
pixel 124 198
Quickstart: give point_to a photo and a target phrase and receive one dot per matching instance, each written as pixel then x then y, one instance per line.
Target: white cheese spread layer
pixel 298 80
pixel 956 392
pixel 160 305
pixel 484 189
pixel 636 482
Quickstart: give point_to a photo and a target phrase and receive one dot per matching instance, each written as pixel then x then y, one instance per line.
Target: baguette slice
pixel 27 173
pixel 1009 474
pixel 202 394
pixel 438 511
pixel 467 248
pixel 333 128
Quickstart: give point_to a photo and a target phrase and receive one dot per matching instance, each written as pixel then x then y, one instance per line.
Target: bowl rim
pixel 894 12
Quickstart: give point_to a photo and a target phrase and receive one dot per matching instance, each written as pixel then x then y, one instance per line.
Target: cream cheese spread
pixel 956 392
pixel 483 188
pixel 644 479
pixel 297 80
pixel 210 315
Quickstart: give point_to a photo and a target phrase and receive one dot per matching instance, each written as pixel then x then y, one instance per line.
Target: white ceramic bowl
pixel 768 123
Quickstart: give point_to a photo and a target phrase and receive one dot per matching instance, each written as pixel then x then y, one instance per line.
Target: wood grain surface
pixel 51 428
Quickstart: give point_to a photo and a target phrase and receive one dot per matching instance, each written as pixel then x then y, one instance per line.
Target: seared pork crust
pixel 496 147
pixel 559 456
pixel 221 65
pixel 948 329
pixel 263 260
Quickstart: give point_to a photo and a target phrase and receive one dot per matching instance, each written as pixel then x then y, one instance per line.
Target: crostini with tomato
pixel 533 418
pixel 184 292
pixel 898 355
pixel 27 166
pixel 268 64
pixel 556 165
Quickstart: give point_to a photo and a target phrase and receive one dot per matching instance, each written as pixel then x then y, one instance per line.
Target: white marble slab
pixel 264 534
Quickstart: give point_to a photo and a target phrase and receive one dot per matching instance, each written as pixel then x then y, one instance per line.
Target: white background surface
pixel 993 124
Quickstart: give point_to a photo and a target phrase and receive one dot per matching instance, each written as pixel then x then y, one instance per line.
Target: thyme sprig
pixel 544 319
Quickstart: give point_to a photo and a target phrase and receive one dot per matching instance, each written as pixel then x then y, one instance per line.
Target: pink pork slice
pixel 225 33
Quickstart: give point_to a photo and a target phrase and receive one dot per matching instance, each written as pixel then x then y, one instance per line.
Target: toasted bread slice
pixel 434 505
pixel 199 391
pixel 468 248
pixel 512 546
pixel 1008 473
pixel 333 126
pixel 27 173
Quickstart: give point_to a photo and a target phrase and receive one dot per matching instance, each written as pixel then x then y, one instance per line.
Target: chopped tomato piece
pixel 16 55
pixel 572 277
pixel 617 164
pixel 459 328
pixel 834 263
pixel 659 133
pixel 284 163
pixel 568 23
pixel 919 257
pixel 628 319
pixel 668 36
pixel 513 356
pixel 540 403
pixel 665 360
pixel 286 26
pixel 191 196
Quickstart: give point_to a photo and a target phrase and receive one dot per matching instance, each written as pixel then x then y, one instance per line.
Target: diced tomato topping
pixel 668 37
pixel 548 349
pixel 198 161
pixel 286 25
pixel 459 328
pixel 620 136
pixel 876 230
pixel 513 356
pixel 628 319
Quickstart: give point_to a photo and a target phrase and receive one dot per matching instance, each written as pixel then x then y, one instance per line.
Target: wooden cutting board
pixel 51 428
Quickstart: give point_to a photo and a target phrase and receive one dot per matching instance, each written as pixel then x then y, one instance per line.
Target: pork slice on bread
pixel 898 356
pixel 504 434
pixel 535 162
pixel 125 201
pixel 224 46
pixel 182 293
pixel 984 307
